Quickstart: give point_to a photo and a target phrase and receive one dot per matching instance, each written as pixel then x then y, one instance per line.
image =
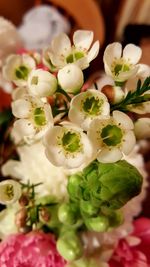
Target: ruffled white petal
pixel 128 142
pixel 132 53
pixel 92 54
pixel 123 120
pixel 61 44
pixel 125 75
pixel 83 39
pixel 107 155
pixel 21 108
pixel 112 51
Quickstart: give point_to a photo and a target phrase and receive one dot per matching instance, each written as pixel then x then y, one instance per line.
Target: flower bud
pixel 41 83
pixel 142 128
pixel 71 78
pixel 69 246
pixel 114 93
pixel 97 224
pixel 23 200
pixel 10 191
pixel 21 218
pixel 66 214
pixel 88 208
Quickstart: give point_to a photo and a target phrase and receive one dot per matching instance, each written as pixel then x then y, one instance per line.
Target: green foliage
pixel 134 97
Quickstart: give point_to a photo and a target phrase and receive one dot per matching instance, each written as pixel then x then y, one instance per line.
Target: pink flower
pixel 128 254
pixel 35 249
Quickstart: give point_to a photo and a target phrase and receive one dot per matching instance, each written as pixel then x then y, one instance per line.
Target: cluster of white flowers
pixel 89 131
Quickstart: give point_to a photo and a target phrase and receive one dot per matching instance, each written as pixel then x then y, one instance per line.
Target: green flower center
pixel 22 72
pixel 111 135
pixel 74 57
pixel 34 80
pixel 120 68
pixel 39 117
pixel 71 142
pixel 9 191
pixel 92 105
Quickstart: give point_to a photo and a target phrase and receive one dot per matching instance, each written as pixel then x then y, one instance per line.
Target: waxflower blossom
pixel 10 191
pixel 33 249
pixel 17 68
pixel 34 117
pixel 41 83
pixel 67 145
pixel 70 78
pixel 61 52
pixel 87 106
pixel 121 65
pixel 112 137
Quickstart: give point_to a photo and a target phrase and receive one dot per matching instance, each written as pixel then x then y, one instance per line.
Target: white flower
pixel 112 136
pixel 68 146
pixel 87 106
pixel 131 85
pixel 33 166
pixel 61 52
pixel 35 117
pixel 41 83
pixel 7 220
pixel 10 191
pixel 71 78
pixel 121 65
pixel 142 74
pixel 142 128
pixel 17 68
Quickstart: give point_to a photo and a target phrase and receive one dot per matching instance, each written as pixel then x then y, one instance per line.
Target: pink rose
pixel 35 249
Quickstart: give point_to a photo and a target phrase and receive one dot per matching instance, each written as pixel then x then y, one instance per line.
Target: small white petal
pixel 21 108
pixel 142 108
pixel 24 127
pixel 19 92
pixel 112 52
pixel 61 44
pixel 132 53
pixel 82 63
pixel 109 155
pixel 125 75
pixel 142 128
pixel 83 39
pixel 129 142
pixel 92 54
pixel 123 120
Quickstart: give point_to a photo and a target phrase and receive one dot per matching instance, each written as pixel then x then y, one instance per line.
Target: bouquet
pixel 73 179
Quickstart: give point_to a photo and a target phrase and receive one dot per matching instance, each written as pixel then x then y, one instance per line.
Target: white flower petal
pixel 129 142
pixel 125 75
pixel 82 63
pixel 61 44
pixel 123 120
pixel 142 108
pixel 92 54
pixel 19 92
pixel 132 53
pixel 143 71
pixel 83 39
pixel 107 155
pixel 21 108
pixel 24 127
pixel 112 51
